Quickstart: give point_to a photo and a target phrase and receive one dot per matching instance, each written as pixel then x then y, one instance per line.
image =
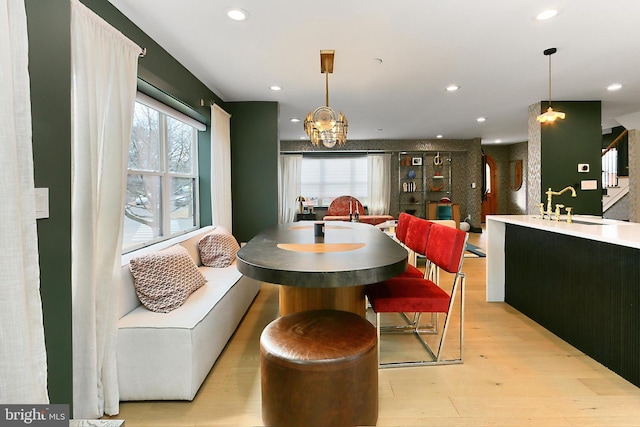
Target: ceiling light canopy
pixel 550 115
pixel 323 125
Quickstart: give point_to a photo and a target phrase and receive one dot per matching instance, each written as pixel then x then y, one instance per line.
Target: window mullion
pixel 164 154
pixel 196 182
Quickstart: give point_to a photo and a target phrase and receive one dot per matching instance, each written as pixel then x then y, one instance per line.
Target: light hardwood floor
pixel 515 373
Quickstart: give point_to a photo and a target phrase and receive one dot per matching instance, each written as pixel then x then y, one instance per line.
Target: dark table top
pixel 350 254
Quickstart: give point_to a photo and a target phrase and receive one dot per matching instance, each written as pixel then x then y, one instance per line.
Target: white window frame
pixel 165 175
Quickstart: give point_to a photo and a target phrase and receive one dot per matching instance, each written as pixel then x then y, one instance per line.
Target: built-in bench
pixel 167 356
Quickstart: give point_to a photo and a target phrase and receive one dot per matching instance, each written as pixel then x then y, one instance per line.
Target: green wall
pixel 160 76
pixel 254 167
pixel 565 144
pixel 49 70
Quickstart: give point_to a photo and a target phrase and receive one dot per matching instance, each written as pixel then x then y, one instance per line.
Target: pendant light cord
pixel 549 80
pixel 549 52
pixel 326 89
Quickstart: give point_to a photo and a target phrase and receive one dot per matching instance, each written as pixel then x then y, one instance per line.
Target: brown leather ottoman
pixel 319 368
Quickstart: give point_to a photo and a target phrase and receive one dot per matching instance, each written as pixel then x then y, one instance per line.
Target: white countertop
pixel 588 227
pixel 619 233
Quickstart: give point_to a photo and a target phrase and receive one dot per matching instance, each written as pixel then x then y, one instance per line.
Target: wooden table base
pixel 294 299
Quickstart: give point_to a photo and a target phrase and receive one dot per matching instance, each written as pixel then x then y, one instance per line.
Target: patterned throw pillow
pixel 218 248
pixel 164 280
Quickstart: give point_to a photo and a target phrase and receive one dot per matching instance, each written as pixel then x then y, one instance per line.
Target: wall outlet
pixel 583 167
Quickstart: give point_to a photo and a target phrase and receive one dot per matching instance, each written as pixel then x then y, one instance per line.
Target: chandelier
pixel 323 125
pixel 550 115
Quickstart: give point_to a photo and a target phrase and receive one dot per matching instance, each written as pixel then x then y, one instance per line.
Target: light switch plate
pixel 589 184
pixel 42 203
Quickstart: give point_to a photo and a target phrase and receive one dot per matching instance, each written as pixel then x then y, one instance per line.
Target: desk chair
pixel 444 212
pixel 445 250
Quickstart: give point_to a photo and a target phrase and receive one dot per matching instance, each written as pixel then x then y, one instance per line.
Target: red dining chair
pixel 414 233
pixel 402 227
pixel 445 250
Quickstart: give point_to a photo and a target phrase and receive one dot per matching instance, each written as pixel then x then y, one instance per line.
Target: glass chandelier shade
pixel 550 116
pixel 323 125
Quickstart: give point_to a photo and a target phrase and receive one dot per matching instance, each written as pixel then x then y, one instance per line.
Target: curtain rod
pixel 338 152
pixel 143 53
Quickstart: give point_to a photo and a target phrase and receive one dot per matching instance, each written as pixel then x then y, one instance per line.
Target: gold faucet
pixel 550 193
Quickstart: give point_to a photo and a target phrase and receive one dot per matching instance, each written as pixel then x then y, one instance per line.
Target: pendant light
pixel 550 115
pixel 323 125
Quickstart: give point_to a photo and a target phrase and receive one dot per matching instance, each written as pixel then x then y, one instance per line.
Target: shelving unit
pixel 411 181
pixel 437 171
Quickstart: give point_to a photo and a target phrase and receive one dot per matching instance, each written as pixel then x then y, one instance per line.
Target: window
pixel 610 168
pixel 327 177
pixel 162 176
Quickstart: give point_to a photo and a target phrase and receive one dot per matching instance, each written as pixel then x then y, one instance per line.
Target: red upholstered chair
pixel 415 241
pixel 445 250
pixel 340 206
pixel 402 227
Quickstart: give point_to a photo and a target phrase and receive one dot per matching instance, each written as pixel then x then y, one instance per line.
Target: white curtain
pixel 23 359
pixel 221 212
pixel 379 183
pixel 104 71
pixel 289 188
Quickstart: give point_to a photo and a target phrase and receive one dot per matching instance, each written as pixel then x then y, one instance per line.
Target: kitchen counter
pixel 583 226
pixel 580 281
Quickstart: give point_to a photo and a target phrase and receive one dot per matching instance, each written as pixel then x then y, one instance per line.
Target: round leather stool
pixel 319 368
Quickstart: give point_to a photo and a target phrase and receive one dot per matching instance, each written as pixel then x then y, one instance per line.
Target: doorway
pixel 490 197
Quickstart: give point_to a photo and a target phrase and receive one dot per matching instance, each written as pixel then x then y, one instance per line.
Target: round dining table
pixel 322 265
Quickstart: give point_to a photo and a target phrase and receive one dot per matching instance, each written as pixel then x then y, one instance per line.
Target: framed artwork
pixel 416 161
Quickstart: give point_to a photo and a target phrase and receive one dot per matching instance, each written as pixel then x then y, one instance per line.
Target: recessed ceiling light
pixel 481 119
pixel 379 130
pixel 377 60
pixel 498 141
pixel 275 88
pixel 615 86
pixel 294 119
pixel 547 14
pixel 452 88
pixel 237 14
pixel 439 136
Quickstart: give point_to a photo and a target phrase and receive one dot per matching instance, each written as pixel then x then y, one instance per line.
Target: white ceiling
pixel 492 49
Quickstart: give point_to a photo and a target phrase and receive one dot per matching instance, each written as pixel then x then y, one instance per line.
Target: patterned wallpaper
pixel 634 179
pixel 533 177
pixel 466 166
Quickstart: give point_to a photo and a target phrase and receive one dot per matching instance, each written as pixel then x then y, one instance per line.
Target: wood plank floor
pixel 515 373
